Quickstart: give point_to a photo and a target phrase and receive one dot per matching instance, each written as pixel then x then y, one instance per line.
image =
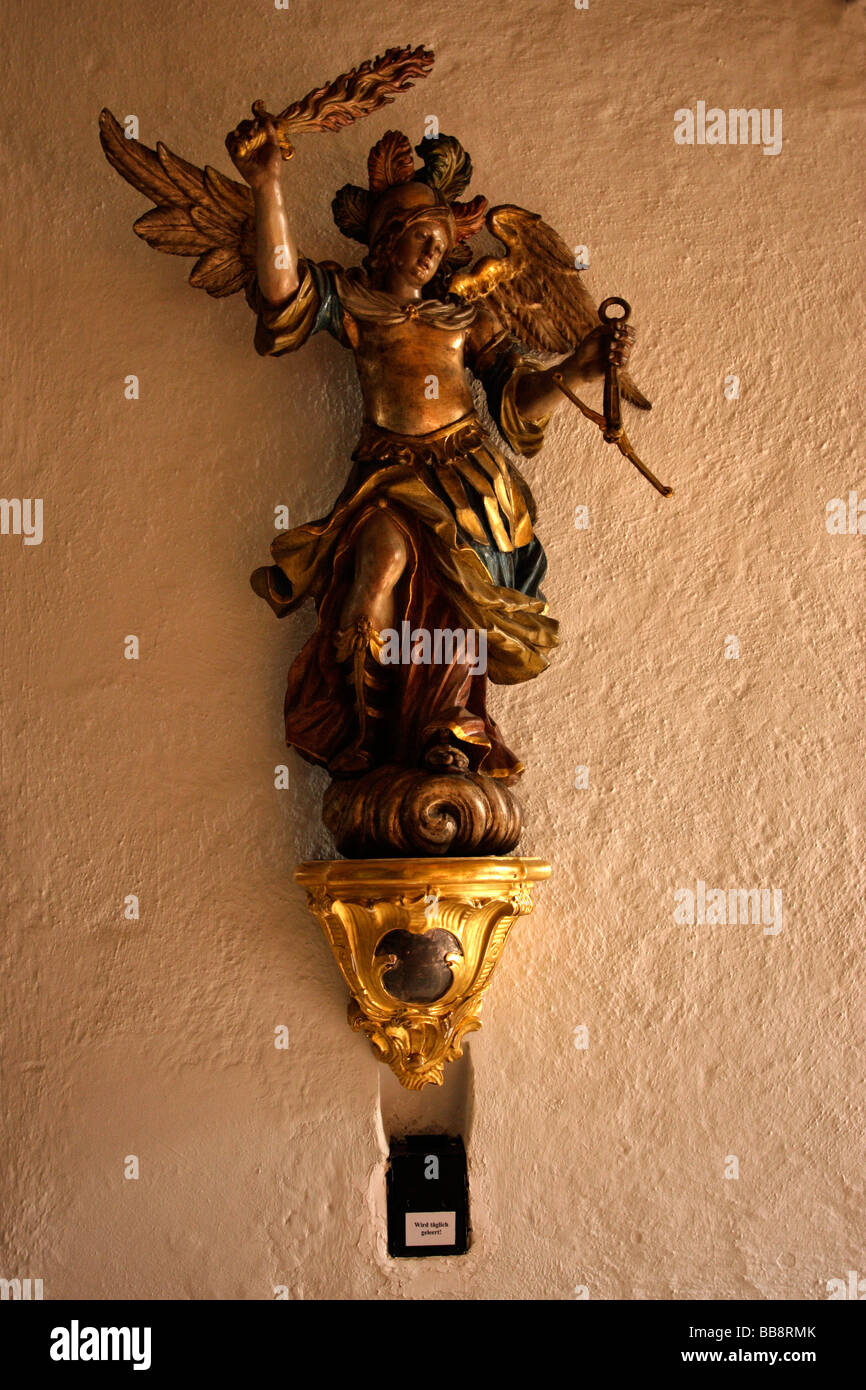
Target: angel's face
pixel 417 254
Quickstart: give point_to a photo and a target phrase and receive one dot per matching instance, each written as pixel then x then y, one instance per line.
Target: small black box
pixel 428 1197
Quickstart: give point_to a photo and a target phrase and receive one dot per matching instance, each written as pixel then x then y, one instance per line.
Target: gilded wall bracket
pixel 417 941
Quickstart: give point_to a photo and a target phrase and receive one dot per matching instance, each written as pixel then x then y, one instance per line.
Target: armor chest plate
pixel 411 373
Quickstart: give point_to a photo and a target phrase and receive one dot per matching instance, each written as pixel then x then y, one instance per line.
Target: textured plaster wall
pixel 601 1167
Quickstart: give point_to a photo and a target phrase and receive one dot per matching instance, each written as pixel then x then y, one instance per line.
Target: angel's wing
pixel 535 289
pixel 199 212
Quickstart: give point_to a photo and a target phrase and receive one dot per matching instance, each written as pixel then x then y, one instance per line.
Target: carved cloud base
pixel 399 810
pixel 417 941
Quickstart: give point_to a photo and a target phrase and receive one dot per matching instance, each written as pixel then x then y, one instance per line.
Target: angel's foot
pixel 360 635
pixel 443 754
pixel 358 646
pixel 351 762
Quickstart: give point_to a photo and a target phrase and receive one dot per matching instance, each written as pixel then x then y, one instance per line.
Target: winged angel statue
pixel 434 530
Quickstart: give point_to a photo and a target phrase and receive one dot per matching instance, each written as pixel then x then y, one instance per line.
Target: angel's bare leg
pixel 380 559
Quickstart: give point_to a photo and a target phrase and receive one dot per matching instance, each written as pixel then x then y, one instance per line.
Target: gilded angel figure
pixel 435 526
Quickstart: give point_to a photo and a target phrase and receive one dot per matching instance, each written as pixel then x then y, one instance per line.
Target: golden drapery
pixel 440 489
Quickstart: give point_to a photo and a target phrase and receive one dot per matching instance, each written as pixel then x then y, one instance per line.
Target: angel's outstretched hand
pixel 591 357
pixel 613 341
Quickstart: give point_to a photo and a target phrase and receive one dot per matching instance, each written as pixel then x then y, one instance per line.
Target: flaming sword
pixel 342 102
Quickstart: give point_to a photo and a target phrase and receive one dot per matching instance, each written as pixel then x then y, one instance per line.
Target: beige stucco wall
pixel 601 1168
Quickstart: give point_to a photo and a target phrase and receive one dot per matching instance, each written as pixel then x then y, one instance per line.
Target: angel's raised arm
pixel 293 297
pixel 238 232
pixel 276 252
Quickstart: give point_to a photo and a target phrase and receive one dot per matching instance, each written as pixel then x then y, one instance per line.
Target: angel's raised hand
pixel 255 150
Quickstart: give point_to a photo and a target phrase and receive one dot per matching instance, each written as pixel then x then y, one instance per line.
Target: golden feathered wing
pixel 199 212
pixel 535 289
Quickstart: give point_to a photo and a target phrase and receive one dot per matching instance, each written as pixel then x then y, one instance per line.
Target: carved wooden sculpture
pixel 426 573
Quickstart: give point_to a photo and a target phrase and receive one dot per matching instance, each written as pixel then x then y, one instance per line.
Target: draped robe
pixel 466 515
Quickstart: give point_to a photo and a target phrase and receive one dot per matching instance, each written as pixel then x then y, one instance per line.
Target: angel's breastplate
pixel 411 373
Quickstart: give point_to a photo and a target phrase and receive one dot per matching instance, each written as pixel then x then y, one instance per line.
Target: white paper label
pixel 431 1227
